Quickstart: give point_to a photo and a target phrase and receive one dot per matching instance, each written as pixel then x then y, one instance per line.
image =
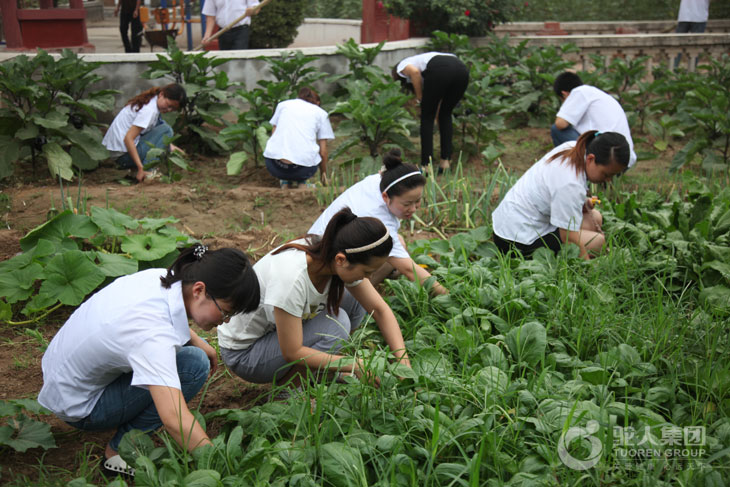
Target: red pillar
pixel 11 26
pixel 378 25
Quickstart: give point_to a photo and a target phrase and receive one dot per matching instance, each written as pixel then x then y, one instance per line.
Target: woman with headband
pixel 127 358
pixel 314 293
pixel 389 196
pixel 548 206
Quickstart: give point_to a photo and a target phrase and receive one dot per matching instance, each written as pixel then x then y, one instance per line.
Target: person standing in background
pixel 692 19
pixel 130 15
pixel 223 13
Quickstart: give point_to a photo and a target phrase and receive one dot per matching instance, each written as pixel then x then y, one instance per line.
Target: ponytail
pixel 398 176
pixel 358 238
pixel 608 147
pixel 173 91
pixel 226 273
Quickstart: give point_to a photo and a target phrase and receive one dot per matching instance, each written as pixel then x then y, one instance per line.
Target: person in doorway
pixel 438 81
pixel 138 127
pixel 223 13
pixel 314 293
pixel 129 16
pixel 549 207
pixel 585 108
pixel 391 195
pixel 127 358
pixel 298 143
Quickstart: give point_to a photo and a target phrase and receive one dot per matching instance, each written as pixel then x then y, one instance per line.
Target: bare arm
pixel 411 270
pixel 209 351
pixel 323 165
pixel 561 123
pixel 209 26
pixel 368 297
pixel 132 134
pixel 177 418
pixel 416 80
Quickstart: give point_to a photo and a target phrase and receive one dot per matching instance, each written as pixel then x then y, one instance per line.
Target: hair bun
pixel 392 159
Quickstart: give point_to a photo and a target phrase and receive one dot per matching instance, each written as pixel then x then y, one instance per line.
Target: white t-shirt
pixel 146 118
pixel 588 108
pixel 132 325
pixel 226 11
pixel 364 199
pixel 694 11
pixel 420 61
pixel 285 284
pixel 548 196
pixel 299 125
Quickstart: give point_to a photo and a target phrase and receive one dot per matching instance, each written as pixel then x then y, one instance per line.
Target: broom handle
pixel 229 26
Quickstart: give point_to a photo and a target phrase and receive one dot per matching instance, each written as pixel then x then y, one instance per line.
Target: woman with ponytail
pixel 390 196
pixel 548 206
pixel 139 124
pixel 314 293
pixel 127 358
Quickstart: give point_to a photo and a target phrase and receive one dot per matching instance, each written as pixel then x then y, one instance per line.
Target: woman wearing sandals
pixel 138 127
pixel 314 293
pixel 298 143
pixel 438 81
pixel 127 358
pixel 393 194
pixel 548 206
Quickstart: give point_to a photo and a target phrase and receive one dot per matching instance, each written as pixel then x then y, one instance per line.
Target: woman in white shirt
pixel 298 143
pixel 438 81
pixel 138 125
pixel 548 206
pixel 390 196
pixel 121 360
pixel 314 293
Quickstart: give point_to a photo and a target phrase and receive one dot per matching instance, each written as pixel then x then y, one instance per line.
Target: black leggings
pixel 125 19
pixel 444 81
pixel 551 240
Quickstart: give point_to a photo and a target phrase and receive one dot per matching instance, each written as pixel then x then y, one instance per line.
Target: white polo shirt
pixel 588 108
pixel 694 11
pixel 132 325
pixel 299 125
pixel 548 196
pixel 420 61
pixel 145 118
pixel 364 199
pixel 226 11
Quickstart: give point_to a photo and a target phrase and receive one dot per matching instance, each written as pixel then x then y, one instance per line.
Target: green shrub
pixel 276 24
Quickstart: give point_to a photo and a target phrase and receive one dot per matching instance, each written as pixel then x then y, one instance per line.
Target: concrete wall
pixel 603 28
pixel 326 32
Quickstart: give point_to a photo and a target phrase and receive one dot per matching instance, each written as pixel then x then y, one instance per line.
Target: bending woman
pixel 438 81
pixel 389 196
pixel 548 206
pixel 139 124
pixel 298 143
pixel 127 358
pixel 314 293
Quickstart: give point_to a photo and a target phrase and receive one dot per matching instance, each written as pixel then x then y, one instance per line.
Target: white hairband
pixel 369 246
pixel 401 179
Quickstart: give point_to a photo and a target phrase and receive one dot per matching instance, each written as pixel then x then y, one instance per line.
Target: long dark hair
pixel 173 91
pixel 227 274
pixel 395 168
pixel 608 147
pixel 346 233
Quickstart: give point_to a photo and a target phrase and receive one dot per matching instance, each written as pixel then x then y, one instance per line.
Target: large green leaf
pixel 23 433
pixel 113 265
pixel 82 160
pixel 90 142
pixel 150 246
pixel 17 285
pixel 8 156
pixel 716 298
pixel 65 224
pixel 527 343
pixel 342 465
pixel 70 277
pixel 235 163
pixel 53 120
pixel 59 162
pixel 203 478
pixel 155 223
pixel 112 222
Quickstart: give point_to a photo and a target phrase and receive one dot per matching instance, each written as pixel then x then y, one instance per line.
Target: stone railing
pixel 603 28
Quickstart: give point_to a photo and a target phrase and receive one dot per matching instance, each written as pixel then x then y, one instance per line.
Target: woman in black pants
pixel 439 81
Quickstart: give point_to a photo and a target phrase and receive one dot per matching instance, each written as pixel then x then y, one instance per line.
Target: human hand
pixel 212 356
pixel 323 178
pixel 116 10
pixel 141 174
pixel 175 148
pixel 358 368
pixel 135 14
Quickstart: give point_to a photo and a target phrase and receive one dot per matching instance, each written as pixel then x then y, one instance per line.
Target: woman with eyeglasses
pixel 127 358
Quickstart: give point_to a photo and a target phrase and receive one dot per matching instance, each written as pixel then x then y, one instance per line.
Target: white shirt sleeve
pixel 566 206
pixel 153 363
pixel 325 129
pixel 573 108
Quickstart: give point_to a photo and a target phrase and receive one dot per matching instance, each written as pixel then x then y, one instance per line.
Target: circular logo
pixel 580 433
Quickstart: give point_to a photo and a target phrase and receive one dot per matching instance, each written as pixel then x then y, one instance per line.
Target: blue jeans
pixel 128 407
pixel 156 137
pixel 289 172
pixel 563 136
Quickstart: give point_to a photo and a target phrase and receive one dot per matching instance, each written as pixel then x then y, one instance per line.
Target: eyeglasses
pixel 226 315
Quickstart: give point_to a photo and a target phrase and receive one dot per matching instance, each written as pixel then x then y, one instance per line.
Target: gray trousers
pixel 263 361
